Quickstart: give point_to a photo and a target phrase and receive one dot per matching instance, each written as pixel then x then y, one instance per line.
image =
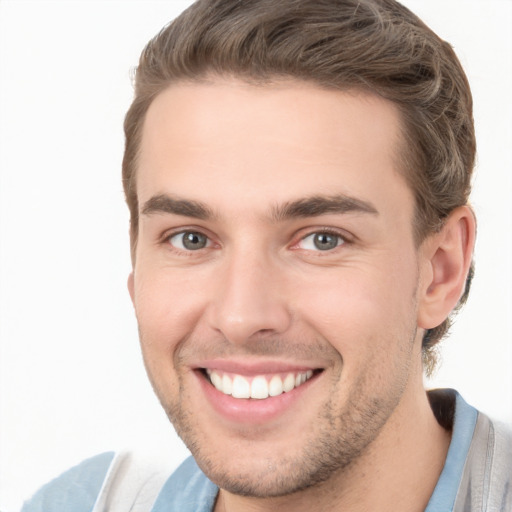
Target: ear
pixel 446 259
pixel 131 286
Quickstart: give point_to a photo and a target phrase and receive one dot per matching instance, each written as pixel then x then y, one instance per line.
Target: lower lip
pixel 251 410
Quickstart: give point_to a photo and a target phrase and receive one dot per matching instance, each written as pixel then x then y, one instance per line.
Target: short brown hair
pixel 374 45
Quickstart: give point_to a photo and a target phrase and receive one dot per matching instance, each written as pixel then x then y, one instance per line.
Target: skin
pixel 260 292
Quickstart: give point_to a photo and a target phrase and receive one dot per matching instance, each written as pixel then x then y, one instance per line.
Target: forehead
pixel 229 143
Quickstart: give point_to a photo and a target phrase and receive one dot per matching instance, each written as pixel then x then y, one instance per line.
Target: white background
pixel 71 378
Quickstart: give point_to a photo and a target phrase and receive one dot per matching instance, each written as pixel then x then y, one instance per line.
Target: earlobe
pixel 449 254
pixel 131 286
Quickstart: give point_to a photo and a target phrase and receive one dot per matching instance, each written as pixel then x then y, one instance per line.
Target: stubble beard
pixel 337 442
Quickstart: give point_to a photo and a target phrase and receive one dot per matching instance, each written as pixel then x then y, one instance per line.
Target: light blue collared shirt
pixel 477 475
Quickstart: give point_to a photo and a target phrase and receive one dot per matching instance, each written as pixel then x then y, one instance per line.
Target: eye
pixel 189 241
pixel 322 241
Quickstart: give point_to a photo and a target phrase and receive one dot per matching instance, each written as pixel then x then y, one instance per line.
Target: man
pixel 298 174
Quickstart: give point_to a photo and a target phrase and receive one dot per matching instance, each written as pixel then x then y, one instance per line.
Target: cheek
pixel 167 308
pixel 360 309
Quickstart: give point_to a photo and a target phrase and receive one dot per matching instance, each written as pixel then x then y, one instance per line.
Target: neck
pixel 398 472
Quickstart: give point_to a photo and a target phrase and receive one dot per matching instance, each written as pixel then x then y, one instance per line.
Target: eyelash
pixel 166 239
pixel 342 240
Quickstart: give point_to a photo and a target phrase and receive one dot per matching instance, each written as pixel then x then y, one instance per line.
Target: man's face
pixel 275 258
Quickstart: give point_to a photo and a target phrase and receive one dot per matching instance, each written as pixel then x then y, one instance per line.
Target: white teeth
pixel 275 386
pixel 289 382
pixel 241 387
pixel 227 387
pixel 259 388
pixel 216 380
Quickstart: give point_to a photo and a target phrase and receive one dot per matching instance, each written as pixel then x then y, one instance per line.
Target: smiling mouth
pixel 258 387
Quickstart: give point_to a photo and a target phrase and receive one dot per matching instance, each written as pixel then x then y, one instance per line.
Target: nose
pixel 250 300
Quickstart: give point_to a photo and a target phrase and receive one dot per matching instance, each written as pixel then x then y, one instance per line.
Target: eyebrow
pixel 322 205
pixel 301 208
pixel 166 204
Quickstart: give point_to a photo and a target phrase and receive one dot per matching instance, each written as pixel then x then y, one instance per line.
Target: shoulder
pixel 187 490
pixel 117 482
pixel 75 490
pixel 487 477
pixel 477 474
pixel 492 443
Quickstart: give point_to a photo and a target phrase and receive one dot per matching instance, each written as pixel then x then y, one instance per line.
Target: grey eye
pixel 189 241
pixel 321 241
